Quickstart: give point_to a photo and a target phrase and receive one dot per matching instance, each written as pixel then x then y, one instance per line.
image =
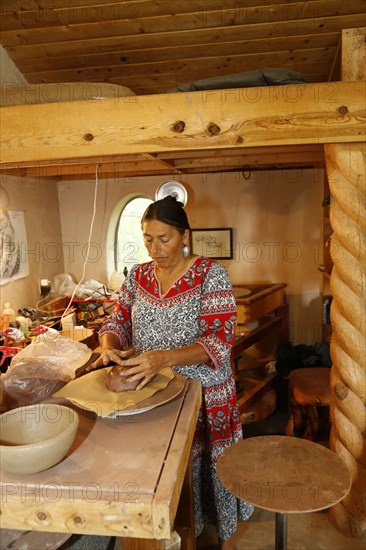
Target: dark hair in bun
pixel 167 210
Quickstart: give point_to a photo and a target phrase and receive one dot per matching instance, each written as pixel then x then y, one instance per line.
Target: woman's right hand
pixel 110 355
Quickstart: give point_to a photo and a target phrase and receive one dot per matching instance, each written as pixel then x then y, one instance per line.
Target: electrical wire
pixel 89 242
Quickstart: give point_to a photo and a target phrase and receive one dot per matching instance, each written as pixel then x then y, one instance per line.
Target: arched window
pixel 129 244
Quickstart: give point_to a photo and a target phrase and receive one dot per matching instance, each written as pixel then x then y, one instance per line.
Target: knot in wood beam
pixel 41 516
pixel 341 391
pixel 343 110
pixel 178 127
pixel 213 129
pixel 78 520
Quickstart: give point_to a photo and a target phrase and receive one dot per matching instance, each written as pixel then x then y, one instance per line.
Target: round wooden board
pixel 284 474
pixel 173 389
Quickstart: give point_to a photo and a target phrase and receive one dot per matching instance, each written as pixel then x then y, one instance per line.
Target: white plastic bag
pixel 41 369
pixel 65 354
pixel 64 285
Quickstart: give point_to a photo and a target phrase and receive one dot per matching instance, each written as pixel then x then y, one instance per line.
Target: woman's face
pixel 164 243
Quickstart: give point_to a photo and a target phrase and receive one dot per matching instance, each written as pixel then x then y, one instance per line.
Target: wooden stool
pixel 285 475
pixel 309 389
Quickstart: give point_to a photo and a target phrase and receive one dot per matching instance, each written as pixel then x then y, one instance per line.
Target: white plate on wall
pixel 173 188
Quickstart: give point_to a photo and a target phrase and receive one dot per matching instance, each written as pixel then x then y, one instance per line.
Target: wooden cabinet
pixel 254 301
pixel 326 263
pixel 261 312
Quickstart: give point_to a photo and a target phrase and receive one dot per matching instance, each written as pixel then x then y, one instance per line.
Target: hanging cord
pixel 89 242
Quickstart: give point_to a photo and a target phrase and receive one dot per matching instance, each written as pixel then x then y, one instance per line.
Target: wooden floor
pixel 305 532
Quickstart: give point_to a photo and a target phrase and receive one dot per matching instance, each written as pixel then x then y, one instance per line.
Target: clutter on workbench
pixel 74 311
pixel 40 369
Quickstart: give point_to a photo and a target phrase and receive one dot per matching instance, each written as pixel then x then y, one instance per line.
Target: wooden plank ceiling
pixel 151 46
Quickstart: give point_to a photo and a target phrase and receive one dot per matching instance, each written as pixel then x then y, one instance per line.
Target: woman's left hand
pixel 145 366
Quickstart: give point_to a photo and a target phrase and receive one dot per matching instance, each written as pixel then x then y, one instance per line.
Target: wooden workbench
pixel 122 477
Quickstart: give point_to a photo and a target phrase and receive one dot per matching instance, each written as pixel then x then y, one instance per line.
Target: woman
pixel 178 311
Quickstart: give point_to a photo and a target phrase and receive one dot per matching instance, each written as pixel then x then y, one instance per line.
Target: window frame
pixel 117 219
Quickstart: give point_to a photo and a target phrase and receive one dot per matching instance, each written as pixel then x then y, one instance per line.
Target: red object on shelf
pixel 8 351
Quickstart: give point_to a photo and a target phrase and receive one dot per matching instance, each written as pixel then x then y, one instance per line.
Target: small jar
pixel 8 310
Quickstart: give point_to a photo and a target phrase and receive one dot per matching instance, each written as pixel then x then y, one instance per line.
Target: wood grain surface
pixel 284 474
pixel 121 477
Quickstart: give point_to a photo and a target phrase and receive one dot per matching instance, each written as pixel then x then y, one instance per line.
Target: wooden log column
pixel 345 164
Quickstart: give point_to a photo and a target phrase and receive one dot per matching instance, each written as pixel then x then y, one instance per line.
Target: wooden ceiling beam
pixel 254 151
pixel 281 115
pixel 170 163
pixel 249 162
pixel 75 161
pixel 87 171
pixel 166 164
pixel 119 171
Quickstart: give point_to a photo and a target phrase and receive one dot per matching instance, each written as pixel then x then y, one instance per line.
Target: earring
pixel 186 251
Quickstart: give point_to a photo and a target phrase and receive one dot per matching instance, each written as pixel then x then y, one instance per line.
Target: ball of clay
pixel 117 381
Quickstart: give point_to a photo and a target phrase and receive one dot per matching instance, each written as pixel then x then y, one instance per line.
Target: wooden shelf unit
pixel 265 306
pixel 326 265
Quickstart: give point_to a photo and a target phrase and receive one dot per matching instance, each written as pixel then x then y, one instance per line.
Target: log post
pixel 345 165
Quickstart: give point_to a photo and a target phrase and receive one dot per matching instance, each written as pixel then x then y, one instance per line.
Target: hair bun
pixel 168 210
pixel 173 198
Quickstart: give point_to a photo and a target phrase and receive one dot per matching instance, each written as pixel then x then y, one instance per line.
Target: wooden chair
pixel 309 398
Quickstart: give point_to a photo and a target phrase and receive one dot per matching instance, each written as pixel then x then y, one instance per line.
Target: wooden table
pixel 122 477
pixel 284 475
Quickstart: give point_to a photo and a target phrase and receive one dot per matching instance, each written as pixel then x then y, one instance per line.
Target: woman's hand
pixel 145 366
pixel 110 355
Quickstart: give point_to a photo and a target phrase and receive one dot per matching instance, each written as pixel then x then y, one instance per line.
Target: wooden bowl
pixel 36 437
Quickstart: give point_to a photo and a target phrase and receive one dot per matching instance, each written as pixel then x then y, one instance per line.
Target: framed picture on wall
pixel 213 243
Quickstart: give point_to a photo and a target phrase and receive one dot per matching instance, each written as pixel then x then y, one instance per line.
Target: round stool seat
pixel 310 386
pixel 284 475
